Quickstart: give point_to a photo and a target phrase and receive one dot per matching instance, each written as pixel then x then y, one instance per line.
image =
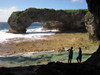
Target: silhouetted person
pixel 79 58
pixel 70 56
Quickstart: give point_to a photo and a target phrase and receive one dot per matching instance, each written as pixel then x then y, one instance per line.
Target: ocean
pixel 34 32
pixel 4 26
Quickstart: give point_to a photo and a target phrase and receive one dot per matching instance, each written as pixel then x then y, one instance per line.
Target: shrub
pixel 88 14
pixel 74 11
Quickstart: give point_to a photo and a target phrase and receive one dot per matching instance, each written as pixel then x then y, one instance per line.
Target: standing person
pixel 79 58
pixel 70 56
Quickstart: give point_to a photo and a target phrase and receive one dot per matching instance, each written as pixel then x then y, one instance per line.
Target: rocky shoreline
pixel 53 42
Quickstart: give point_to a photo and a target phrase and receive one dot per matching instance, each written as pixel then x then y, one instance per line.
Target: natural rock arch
pixel 50 19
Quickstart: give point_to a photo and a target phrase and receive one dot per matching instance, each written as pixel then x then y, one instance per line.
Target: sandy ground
pixel 53 42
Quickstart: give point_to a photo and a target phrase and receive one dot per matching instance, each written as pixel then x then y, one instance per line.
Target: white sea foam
pixel 31 35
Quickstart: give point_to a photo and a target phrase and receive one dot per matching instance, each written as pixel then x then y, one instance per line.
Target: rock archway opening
pixel 42 28
pixel 35 27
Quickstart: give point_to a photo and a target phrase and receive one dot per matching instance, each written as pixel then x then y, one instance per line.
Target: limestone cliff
pixel 51 19
pixel 93 21
pixel 94 29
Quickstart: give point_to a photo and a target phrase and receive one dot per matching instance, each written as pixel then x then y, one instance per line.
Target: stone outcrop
pixel 94 29
pixel 94 59
pixel 53 68
pixel 49 18
pixel 93 21
pixel 90 26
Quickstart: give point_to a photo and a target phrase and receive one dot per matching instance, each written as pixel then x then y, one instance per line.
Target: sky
pixel 9 6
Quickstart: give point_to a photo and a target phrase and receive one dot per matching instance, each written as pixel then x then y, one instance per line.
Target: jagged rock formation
pixel 94 59
pixel 90 26
pixel 51 19
pixel 94 29
pixel 93 21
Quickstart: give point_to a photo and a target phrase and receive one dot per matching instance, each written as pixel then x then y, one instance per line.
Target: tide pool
pixel 38 59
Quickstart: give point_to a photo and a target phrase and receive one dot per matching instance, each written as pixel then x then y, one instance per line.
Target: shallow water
pixel 37 59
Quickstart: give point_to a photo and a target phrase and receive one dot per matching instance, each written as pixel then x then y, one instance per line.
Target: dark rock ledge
pixel 53 69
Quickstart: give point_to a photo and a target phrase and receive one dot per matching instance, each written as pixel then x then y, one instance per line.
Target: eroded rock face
pixel 93 22
pixel 93 26
pixel 51 19
pixel 94 59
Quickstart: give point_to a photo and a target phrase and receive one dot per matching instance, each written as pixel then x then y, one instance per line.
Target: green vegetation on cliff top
pixel 18 13
pixel 74 11
pixel 88 14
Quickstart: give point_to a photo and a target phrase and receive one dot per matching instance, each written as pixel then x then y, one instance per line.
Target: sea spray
pixel 34 32
pixel 29 54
